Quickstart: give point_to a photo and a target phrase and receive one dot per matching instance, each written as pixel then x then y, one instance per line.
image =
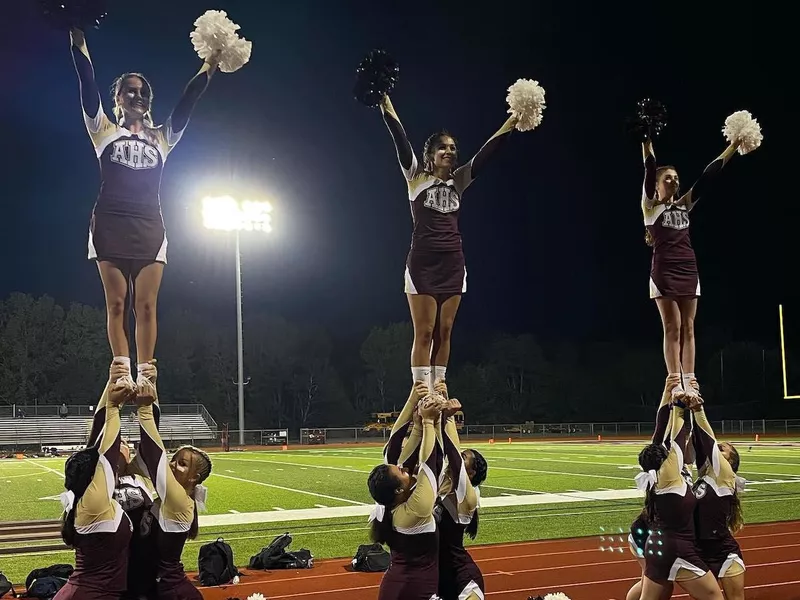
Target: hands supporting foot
pixel 684 392
pixel 124 389
pixel 436 402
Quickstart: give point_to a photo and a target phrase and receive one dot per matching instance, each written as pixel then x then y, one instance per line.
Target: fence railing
pixel 276 438
pixel 84 410
pixel 533 430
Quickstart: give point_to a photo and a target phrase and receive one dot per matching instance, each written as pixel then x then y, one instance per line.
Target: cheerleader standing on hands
pixel 674 281
pixel 127 238
pixel 435 275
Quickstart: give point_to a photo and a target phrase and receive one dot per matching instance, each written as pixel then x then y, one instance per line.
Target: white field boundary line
pixel 363 510
pixel 292 464
pixel 59 473
pixel 288 489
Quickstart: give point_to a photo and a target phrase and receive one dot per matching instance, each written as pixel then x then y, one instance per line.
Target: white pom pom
pixel 215 32
pixel 526 103
pixel 742 127
pixel 556 596
pixel 256 597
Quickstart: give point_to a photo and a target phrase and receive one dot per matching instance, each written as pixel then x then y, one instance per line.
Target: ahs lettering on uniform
pixel 134 154
pixel 443 199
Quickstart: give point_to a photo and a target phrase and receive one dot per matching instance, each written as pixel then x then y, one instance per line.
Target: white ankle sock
pixel 422 374
pixel 124 360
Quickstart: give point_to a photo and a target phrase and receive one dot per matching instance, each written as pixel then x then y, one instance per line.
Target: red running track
pixel 575 567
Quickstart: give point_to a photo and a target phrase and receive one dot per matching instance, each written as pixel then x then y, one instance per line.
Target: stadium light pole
pixel 225 213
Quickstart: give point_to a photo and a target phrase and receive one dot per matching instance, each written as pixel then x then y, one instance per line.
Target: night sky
pixel 552 229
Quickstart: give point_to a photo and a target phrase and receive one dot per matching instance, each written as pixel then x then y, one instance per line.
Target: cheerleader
pixel 180 494
pixel 718 513
pixel 459 576
pixel 640 528
pixel 126 232
pixel 435 275
pixel 403 516
pixel 674 282
pixel 671 554
pixel 94 523
pixel 136 494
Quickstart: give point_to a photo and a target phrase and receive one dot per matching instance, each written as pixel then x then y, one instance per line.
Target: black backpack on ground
pixel 58 571
pixel 5 586
pixel 215 563
pixel 45 583
pixel 371 558
pixel 275 556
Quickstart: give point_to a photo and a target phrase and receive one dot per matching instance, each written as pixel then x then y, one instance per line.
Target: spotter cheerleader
pixel 459 576
pixel 671 554
pixel 674 282
pixel 135 493
pixel 180 490
pixel 94 523
pixel 126 232
pixel 640 528
pixel 718 513
pixel 435 275
pixel 403 515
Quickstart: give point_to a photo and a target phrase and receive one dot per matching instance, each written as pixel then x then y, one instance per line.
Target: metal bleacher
pixel 42 426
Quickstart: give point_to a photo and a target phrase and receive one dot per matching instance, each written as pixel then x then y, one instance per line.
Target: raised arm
pixel 669 475
pixel 394 447
pixel 409 456
pixel 93 116
pixel 456 477
pixel 176 506
pixel 466 174
pixel 96 510
pixel 710 461
pixel 405 153
pixel 99 418
pixel 663 412
pixel 177 121
pixel 703 184
pixel 649 187
pixel 418 509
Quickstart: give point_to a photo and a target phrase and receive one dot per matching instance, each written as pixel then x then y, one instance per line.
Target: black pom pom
pixel 376 77
pixel 66 14
pixel 650 120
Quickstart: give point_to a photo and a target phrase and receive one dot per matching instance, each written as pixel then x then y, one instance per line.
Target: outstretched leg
pixel 116 290
pixel 671 322
pixel 440 353
pixel 688 310
pixel 423 315
pixel 146 286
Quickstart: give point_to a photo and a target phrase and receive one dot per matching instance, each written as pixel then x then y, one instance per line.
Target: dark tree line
pixel 299 377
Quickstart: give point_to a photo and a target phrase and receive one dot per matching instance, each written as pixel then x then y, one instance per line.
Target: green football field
pixel 534 490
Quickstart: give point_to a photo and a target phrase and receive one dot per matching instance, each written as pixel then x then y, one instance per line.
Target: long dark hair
pixel 429 149
pixel 651 458
pixel 481 468
pixel 78 473
pixel 736 517
pixel 382 487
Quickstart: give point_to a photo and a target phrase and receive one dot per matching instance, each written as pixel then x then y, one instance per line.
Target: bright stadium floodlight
pixel 225 213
